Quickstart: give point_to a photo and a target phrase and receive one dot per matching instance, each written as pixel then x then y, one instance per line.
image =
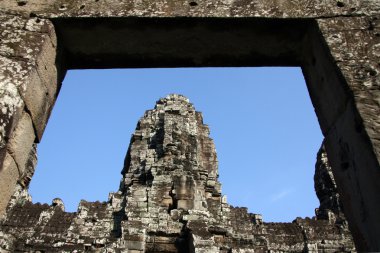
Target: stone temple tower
pixel 170 200
pixel 170 177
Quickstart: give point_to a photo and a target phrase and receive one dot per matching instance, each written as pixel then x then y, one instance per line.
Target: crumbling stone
pixel 170 200
pixel 335 42
pixel 330 207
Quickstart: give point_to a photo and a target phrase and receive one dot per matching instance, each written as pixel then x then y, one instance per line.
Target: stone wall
pixel 336 43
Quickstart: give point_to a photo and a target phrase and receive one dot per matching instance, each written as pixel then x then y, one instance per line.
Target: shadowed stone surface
pixel 325 187
pixel 170 200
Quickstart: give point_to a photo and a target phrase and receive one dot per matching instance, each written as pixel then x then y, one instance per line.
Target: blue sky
pixel 261 119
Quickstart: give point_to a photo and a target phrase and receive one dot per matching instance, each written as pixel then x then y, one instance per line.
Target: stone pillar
pixel 28 89
pixel 341 69
pixel 352 140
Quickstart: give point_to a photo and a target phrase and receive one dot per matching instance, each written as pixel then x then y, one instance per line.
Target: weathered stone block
pixel 21 141
pixel 33 43
pixel 38 103
pixel 41 92
pixel 46 65
pixel 11 103
pixel 134 251
pixel 9 175
pixel 184 204
pixel 135 245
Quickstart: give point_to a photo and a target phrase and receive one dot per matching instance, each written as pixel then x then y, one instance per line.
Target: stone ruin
pixel 170 200
pixel 335 42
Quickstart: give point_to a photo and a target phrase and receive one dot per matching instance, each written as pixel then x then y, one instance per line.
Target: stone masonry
pixel 336 42
pixel 170 200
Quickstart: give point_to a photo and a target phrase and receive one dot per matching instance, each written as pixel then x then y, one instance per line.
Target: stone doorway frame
pixel 337 45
